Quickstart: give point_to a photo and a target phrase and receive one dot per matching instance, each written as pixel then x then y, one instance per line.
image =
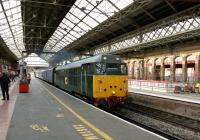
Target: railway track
pixel 175 120
pixel 156 114
pixel 152 129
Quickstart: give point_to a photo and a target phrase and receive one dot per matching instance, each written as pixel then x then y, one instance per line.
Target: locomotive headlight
pixel 104 58
pixel 113 92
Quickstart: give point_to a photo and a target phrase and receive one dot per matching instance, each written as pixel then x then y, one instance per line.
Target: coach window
pixel 89 68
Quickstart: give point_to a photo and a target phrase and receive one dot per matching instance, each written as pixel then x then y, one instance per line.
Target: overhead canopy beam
pixel 171 6
pixel 161 32
pixel 150 15
pixel 48 3
pixel 35 51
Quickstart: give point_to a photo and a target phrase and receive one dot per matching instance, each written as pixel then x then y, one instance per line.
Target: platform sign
pixel 4 68
pixel 21 67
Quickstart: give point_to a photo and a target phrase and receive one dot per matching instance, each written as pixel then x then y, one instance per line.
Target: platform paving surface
pixel 6 109
pixel 186 97
pixel 47 113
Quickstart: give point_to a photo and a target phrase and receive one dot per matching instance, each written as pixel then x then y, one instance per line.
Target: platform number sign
pixel 66 80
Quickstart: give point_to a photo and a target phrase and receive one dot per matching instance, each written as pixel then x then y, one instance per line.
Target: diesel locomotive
pixel 102 79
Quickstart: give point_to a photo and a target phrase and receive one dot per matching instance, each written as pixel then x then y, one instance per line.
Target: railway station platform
pixel 50 113
pixel 163 90
pixel 190 98
pixel 183 104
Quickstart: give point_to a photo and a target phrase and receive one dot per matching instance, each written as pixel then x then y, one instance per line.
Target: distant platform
pixel 162 89
pixel 186 97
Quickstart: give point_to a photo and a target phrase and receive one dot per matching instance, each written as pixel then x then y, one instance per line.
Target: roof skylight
pixel 11 26
pixel 82 17
pixel 34 60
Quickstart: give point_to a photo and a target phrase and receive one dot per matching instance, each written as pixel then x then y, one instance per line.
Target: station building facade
pixel 179 63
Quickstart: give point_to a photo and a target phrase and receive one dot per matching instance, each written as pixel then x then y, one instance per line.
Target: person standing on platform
pixel 28 77
pixel 5 83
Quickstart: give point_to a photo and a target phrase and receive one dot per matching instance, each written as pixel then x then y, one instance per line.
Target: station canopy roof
pixel 62 29
pixel 82 17
pixel 11 30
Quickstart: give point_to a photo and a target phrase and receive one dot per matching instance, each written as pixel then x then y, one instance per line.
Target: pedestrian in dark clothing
pixel 5 83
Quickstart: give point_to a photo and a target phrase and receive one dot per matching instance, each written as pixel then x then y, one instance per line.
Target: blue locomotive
pixel 102 79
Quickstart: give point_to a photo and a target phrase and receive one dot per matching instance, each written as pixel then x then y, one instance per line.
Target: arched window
pixel 158 69
pixel 150 69
pixel 130 69
pixel 178 60
pixel 158 62
pixel 167 61
pixel 135 69
pixel 178 69
pixel 190 59
pixel 190 68
pixel 167 68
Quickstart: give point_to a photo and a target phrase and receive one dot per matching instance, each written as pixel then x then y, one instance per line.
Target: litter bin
pixel 177 89
pixel 23 86
pixel 187 88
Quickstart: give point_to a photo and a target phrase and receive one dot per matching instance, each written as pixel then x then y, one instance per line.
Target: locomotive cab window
pixel 116 69
pixel 111 68
pixel 123 69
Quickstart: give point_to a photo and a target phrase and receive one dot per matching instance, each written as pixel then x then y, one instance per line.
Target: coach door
pixel 84 79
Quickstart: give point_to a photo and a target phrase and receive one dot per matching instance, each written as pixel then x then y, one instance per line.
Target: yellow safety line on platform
pixel 104 135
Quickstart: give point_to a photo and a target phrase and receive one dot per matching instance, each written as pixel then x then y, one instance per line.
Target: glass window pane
pixel 76 23
pixel 13 12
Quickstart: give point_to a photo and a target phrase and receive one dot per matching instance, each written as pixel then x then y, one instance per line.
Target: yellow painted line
pixel 97 130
